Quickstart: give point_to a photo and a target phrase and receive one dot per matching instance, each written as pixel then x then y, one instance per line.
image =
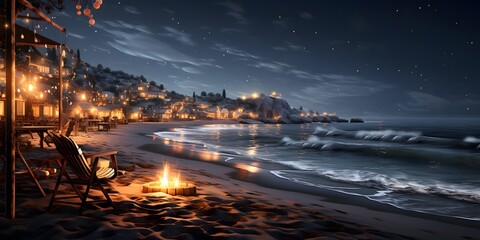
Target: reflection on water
pixel 428 176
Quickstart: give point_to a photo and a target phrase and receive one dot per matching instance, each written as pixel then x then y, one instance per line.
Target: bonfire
pixel 169 182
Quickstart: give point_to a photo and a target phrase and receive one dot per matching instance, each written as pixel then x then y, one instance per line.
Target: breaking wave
pixel 389 135
pixel 403 185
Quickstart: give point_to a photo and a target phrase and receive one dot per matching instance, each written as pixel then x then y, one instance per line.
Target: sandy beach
pixel 234 201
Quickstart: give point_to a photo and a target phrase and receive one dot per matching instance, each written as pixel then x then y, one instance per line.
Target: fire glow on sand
pixel 170 183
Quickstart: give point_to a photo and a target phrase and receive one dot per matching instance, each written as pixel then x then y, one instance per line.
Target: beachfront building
pixel 19 106
pixel 106 97
pixel 135 114
pixel 38 64
pixel 213 113
pixel 236 114
pixel 83 110
pixel 224 114
pixel 156 94
pixel 45 110
pixel 165 114
pixel 186 114
pixel 111 110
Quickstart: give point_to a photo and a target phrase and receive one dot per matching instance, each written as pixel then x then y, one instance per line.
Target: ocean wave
pixel 375 135
pixel 329 131
pixel 405 137
pixel 472 140
pixel 315 142
pixel 414 155
pixel 403 184
pixel 388 135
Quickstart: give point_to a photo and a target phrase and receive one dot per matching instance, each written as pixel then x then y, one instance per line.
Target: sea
pixel 425 165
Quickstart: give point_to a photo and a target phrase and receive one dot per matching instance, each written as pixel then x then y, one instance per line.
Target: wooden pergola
pixel 12 38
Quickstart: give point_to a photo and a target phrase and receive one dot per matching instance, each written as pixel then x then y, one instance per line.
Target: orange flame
pixel 167 181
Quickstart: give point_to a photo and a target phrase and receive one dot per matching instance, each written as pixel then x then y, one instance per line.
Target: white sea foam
pixel 403 184
pixel 388 135
pixel 471 139
pixel 328 131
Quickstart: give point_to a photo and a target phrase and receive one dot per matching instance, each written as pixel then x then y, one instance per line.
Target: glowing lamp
pixel 78 6
pixel 99 1
pixel 96 5
pixel 87 11
pixel 91 21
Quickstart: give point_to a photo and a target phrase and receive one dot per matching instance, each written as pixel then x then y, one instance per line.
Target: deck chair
pixel 69 128
pixel 76 160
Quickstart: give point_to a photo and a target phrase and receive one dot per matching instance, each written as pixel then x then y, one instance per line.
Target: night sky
pixel 355 58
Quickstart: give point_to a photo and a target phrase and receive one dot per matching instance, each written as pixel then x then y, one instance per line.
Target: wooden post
pixel 60 88
pixel 10 110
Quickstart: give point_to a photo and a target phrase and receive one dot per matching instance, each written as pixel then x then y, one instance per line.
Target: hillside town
pixel 97 93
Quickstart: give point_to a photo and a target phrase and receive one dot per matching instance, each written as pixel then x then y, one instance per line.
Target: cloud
pixel 75 35
pixel 95 48
pixel 236 11
pixel 131 9
pixel 138 41
pixel 233 51
pixel 269 66
pixel 420 102
pixel 178 35
pixel 191 70
pixel 169 11
pixel 191 85
pixel 291 46
pixel 328 87
pixel 283 49
pixel 126 26
pixel 231 30
pixel 277 67
pixel 307 16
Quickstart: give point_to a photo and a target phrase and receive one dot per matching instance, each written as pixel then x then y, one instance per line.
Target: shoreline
pixel 264 178
pixel 230 203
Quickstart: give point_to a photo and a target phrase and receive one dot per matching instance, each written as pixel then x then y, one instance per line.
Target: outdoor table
pixel 103 126
pixel 40 130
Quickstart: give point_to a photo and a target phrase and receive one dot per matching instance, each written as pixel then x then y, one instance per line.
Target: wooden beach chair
pixel 86 174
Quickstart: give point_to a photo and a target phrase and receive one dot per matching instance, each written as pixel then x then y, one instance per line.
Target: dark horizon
pixel 365 59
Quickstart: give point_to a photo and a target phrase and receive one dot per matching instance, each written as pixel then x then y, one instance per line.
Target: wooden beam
pixel 31 18
pixel 36 45
pixel 60 88
pixel 41 14
pixel 10 110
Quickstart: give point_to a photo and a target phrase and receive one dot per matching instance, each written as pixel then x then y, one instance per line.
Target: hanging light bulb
pixel 96 5
pixel 78 7
pixel 99 1
pixel 22 36
pixel 90 16
pixel 91 21
pixel 87 11
pixel 79 13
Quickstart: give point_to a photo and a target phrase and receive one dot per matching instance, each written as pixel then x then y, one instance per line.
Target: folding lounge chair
pixel 76 160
